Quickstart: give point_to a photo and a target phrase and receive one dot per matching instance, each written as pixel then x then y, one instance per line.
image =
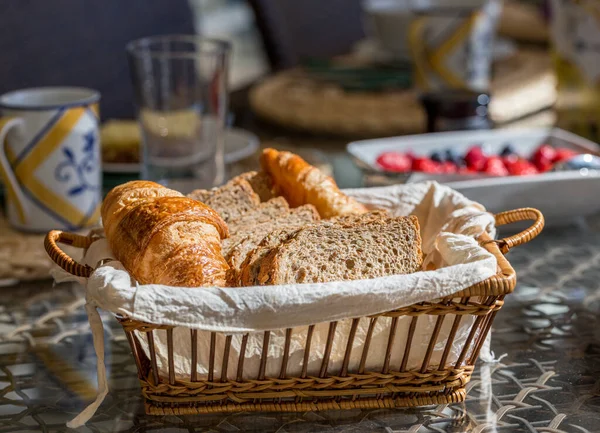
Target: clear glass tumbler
pixel 180 89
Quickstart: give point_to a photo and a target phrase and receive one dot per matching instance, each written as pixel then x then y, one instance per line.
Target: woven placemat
pixel 22 255
pixel 523 84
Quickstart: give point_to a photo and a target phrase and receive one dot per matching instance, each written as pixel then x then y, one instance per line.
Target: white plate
pixel 560 196
pixel 239 144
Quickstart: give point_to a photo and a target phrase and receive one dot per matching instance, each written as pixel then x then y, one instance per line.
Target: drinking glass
pixel 180 90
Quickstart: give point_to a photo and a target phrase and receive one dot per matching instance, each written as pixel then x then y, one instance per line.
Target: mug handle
pixel 8 176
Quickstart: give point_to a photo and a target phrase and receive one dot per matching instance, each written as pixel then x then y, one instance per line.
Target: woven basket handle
pixel 61 258
pixel 526 235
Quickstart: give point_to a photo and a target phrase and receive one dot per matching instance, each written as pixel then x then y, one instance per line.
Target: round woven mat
pixel 523 84
pixel 293 99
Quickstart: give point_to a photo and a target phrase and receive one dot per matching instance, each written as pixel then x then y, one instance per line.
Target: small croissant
pixel 301 183
pixel 162 237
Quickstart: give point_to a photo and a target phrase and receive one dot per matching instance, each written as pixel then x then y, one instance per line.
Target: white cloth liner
pixel 449 225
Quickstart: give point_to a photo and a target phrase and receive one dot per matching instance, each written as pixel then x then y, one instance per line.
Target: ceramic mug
pixel 50 160
pixel 451 44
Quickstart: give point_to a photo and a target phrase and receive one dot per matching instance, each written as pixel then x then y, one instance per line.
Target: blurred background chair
pixel 82 43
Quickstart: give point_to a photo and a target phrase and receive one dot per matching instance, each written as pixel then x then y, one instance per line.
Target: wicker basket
pixel 341 389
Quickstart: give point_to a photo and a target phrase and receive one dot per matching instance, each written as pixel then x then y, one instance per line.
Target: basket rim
pixel 500 284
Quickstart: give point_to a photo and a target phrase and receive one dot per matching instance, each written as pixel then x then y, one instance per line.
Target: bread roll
pixel 301 183
pixel 162 237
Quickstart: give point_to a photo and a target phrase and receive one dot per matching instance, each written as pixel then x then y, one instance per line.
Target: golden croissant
pixel 301 183
pixel 162 237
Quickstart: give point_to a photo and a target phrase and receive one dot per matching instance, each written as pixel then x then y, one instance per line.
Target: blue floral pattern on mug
pixel 79 171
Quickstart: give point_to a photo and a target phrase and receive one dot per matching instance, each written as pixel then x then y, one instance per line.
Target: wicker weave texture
pixel 390 384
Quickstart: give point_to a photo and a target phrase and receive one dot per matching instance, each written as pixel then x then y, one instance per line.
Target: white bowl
pixel 560 196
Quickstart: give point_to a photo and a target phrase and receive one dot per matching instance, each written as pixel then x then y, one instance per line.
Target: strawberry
pixel 543 156
pixel 510 159
pixel 494 166
pixel 425 165
pixel 562 154
pixel 466 170
pixel 545 151
pixel 475 158
pixel 521 167
pixel 544 166
pixel 448 167
pixel 394 161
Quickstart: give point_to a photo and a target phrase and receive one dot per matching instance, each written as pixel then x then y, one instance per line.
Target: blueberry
pixel 452 155
pixel 508 150
pixel 436 156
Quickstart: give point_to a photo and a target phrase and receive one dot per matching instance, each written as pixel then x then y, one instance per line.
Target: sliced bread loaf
pixel 332 251
pixel 231 200
pixel 374 215
pixel 250 267
pixel 266 212
pixel 238 247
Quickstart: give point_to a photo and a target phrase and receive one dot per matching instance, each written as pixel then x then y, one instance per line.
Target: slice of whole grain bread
pixel 268 211
pixel 231 200
pixel 374 215
pixel 333 251
pixel 250 267
pixel 237 248
pixel 261 183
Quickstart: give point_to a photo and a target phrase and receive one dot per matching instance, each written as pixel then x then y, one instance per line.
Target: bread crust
pixel 231 200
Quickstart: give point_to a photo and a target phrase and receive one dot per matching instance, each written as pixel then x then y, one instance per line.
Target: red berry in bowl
pixel 521 167
pixel 466 170
pixel 544 166
pixel 394 161
pixel 475 158
pixel 425 165
pixel 510 159
pixel 562 154
pixel 545 151
pixel 494 166
pixel 448 167
pixel 543 155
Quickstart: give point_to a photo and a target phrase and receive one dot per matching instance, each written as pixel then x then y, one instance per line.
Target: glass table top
pixel 546 340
